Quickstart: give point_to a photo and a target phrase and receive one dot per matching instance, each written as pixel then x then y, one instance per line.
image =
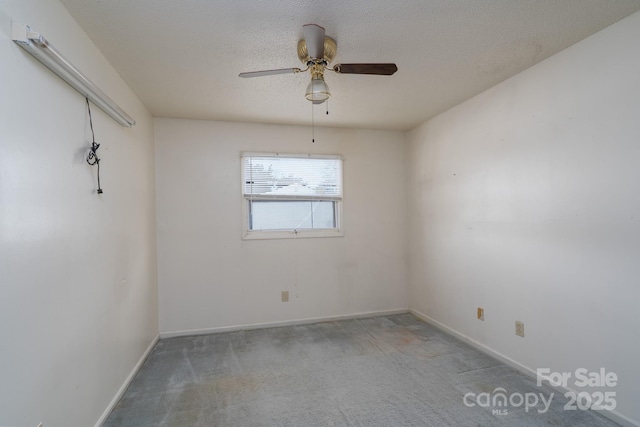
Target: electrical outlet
pixel 285 296
pixel 481 313
pixel 519 328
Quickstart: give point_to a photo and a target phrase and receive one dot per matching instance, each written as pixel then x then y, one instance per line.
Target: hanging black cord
pixel 313 126
pixel 92 158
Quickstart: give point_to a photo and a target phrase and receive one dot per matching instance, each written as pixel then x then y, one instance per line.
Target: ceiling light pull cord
pixel 92 157
pixel 313 126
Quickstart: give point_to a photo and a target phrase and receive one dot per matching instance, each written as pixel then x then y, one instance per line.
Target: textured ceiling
pixel 182 58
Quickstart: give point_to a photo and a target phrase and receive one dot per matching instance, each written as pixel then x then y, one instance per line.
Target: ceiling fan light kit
pixel 317 51
pixel 317 90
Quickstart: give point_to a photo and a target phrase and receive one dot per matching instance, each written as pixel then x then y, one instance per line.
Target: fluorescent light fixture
pixel 41 49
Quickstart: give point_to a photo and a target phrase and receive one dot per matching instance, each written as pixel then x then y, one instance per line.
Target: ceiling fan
pixel 317 51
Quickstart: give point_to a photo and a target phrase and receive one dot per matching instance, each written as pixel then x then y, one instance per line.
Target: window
pixel 289 195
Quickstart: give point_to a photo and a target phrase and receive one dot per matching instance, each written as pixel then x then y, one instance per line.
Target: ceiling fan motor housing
pixel 330 48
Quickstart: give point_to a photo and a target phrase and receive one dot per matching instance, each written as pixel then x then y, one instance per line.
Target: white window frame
pixel 289 233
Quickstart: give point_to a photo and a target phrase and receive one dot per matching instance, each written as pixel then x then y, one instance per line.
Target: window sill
pixel 290 234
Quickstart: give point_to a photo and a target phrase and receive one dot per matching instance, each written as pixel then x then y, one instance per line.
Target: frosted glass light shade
pixel 317 91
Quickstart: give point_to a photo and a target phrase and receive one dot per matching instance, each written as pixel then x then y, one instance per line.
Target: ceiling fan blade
pixel 378 69
pixel 314 37
pixel 270 72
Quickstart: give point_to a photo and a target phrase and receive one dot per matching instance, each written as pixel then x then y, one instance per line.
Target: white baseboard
pixel 612 415
pixel 501 357
pixel 126 383
pixel 171 334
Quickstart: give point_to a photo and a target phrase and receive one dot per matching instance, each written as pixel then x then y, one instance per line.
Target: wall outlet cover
pixel 519 328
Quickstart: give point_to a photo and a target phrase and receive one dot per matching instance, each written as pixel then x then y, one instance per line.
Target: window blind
pixel 291 177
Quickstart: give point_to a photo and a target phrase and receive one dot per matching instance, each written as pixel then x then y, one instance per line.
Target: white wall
pixel 210 278
pixel 78 296
pixel 525 200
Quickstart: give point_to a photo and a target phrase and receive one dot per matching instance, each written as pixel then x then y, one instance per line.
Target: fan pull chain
pixel 327 107
pixel 313 127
